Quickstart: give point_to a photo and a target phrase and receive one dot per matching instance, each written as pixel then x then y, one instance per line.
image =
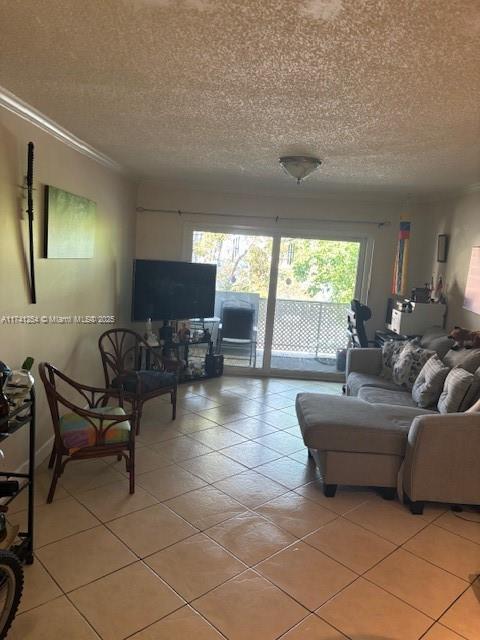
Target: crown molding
pixel 20 108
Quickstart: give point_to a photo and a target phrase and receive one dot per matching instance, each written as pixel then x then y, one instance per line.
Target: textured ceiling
pixel 211 92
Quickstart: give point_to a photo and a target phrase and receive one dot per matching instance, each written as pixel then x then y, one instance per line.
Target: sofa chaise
pixel 376 435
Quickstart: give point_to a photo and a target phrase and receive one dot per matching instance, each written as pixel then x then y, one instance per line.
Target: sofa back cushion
pixel 468 359
pixel 455 389
pixel 428 386
pixel 436 339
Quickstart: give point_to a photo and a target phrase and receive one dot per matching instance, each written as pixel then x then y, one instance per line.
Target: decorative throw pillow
pixel 428 386
pixel 409 364
pixel 473 394
pixel 401 368
pixel 419 358
pixel 390 353
pixel 468 359
pixel 456 387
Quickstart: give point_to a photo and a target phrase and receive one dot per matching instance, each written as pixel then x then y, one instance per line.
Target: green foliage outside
pixel 322 270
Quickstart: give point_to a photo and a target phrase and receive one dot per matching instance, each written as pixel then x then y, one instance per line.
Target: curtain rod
pixel 276 219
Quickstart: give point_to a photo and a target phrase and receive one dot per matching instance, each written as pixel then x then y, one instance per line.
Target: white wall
pixel 64 287
pixel 161 236
pixel 460 219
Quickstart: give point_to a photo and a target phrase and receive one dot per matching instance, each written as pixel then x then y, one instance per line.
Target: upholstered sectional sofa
pixel 376 435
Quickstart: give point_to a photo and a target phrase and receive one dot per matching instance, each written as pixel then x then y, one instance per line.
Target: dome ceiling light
pixel 299 167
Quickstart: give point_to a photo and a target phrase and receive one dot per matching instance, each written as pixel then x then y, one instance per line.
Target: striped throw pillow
pixel 456 387
pixel 429 384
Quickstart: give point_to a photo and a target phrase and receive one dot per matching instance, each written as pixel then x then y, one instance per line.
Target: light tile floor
pixel 230 536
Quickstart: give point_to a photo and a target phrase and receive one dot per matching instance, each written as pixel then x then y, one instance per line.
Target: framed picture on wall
pixel 69 225
pixel 442 247
pixel 472 290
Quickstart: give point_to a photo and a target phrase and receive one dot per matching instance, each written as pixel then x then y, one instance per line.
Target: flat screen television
pixel 165 290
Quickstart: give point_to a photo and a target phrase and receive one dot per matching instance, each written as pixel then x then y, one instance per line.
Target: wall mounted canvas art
pixel 472 290
pixel 69 225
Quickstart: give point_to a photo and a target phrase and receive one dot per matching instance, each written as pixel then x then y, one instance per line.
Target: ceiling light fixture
pixel 299 167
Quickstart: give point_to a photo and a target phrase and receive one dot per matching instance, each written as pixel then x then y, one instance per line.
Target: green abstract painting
pixel 69 225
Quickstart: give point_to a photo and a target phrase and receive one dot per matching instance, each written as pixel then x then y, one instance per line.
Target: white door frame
pixel 319 232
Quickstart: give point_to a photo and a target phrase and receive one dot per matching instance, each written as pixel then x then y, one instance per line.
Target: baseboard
pixel 40 455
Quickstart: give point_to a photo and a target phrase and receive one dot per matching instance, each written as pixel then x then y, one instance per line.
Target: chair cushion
pixel 150 380
pixel 455 389
pixel 356 381
pixel 77 432
pixel 375 395
pixel 429 384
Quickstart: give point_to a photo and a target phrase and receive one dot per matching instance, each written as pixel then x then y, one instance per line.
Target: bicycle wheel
pixel 11 587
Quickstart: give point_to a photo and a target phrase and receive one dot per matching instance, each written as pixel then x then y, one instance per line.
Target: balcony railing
pixel 301 326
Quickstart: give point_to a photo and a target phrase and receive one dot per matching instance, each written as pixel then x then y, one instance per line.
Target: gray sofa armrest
pixel 442 461
pixel 367 360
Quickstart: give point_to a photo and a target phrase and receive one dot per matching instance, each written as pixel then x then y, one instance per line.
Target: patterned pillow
pixel 401 368
pixel 391 351
pixel 419 358
pixel 409 364
pixel 455 389
pixel 429 384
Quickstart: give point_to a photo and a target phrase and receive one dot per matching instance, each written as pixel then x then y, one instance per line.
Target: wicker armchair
pixel 121 352
pixel 94 430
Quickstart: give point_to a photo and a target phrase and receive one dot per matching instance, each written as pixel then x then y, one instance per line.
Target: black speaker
pixel 213 364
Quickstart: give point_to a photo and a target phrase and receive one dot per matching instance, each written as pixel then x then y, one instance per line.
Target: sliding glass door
pixel 281 301
pixel 316 281
pixel 243 274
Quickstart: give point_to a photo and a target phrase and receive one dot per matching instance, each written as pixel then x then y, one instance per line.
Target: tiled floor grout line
pixel 65 595
pixel 248 508
pixel 162 618
pixel 138 630
pixel 296 541
pixel 357 576
pixel 248 568
pixel 436 623
pixel 427 523
pixel 189 603
pixel 438 524
pixel 253 469
pixel 284 633
pixel 281 455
